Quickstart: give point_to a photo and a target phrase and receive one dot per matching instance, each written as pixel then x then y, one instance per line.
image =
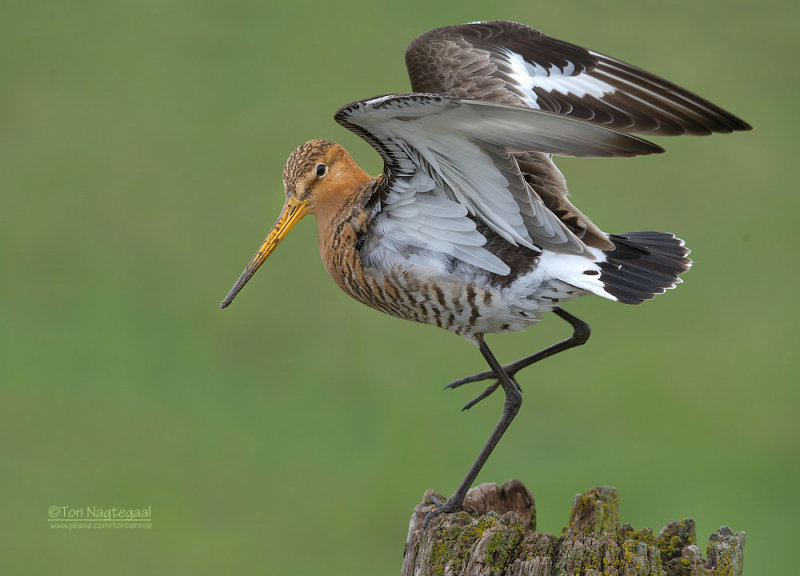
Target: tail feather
pixel 642 265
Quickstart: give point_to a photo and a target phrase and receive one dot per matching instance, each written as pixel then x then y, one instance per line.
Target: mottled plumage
pixel 469 226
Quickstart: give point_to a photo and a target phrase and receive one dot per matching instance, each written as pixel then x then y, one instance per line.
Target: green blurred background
pixel 141 149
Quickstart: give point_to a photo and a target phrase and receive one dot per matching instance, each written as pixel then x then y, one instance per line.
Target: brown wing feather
pixel 473 61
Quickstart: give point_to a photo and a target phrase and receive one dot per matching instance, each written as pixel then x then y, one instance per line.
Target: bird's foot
pixel 442 508
pixel 483 376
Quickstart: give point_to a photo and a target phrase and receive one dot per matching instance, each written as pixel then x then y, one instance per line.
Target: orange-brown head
pixel 318 177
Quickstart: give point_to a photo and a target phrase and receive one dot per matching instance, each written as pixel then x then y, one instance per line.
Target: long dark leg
pixel 580 334
pixel 510 409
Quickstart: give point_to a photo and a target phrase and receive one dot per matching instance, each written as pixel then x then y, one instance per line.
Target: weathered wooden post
pixel 497 535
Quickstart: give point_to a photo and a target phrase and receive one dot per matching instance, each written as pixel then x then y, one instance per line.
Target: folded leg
pixel 580 334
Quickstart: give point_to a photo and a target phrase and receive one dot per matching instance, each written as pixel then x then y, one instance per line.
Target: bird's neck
pixel 339 213
pixel 328 208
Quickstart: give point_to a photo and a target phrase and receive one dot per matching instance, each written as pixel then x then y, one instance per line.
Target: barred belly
pixel 466 308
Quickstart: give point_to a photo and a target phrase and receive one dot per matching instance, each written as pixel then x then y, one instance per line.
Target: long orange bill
pixel 291 214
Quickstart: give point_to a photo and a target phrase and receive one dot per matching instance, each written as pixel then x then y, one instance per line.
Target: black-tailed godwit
pixel 469 226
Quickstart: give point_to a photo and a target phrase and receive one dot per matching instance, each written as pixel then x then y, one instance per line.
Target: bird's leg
pixel 510 409
pixel 580 334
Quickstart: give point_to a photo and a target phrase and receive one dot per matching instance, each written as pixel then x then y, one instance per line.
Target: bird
pixel 469 226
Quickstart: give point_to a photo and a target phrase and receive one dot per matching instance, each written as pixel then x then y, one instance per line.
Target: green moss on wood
pixel 504 546
pixel 454 543
pixel 595 511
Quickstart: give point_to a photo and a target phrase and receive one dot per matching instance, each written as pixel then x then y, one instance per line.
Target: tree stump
pixel 496 535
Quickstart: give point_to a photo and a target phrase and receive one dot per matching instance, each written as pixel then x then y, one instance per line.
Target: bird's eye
pixel 321 170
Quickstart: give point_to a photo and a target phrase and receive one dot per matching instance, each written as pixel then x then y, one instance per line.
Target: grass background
pixel 141 148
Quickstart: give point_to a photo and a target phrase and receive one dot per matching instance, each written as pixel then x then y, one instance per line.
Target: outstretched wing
pixel 514 64
pixel 451 162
